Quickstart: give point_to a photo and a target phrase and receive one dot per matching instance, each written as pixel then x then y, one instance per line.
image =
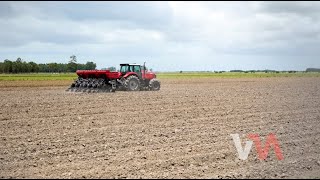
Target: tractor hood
pixel 150 75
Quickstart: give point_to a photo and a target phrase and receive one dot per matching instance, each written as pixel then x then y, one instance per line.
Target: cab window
pixel 137 69
pixel 124 69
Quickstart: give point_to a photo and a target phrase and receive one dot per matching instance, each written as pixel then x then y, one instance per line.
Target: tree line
pixel 313 70
pixel 20 66
pixel 274 71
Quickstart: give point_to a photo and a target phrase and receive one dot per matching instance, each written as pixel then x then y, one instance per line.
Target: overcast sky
pixel 167 35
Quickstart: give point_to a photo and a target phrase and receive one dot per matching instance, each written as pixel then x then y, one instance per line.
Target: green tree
pixel 17 66
pixel 72 65
pixel 1 67
pixel 53 67
pixel 43 68
pixel 34 67
pixel 81 67
pixel 26 67
pixel 90 65
pixel 7 66
pixel 73 59
pixel 62 67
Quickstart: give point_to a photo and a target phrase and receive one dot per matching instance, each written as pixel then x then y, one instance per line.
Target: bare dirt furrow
pixel 181 131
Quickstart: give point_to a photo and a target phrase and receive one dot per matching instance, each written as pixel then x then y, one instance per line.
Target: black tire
pixel 154 85
pixel 132 83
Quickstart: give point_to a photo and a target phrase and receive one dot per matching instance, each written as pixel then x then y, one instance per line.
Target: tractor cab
pixel 135 68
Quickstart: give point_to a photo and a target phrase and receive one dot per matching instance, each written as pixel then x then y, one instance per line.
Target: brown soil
pixel 29 83
pixel 181 131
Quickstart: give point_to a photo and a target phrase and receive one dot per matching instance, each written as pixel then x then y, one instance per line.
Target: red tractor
pixel 132 77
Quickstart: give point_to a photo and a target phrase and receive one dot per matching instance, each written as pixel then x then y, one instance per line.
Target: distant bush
pixel 236 71
pixel 312 70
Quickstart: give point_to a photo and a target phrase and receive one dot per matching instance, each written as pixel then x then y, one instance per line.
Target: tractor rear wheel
pixel 132 83
pixel 154 85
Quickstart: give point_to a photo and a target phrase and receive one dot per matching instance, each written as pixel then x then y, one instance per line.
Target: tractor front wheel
pixel 132 83
pixel 154 85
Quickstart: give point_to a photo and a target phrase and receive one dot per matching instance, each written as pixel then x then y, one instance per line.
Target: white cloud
pixel 168 33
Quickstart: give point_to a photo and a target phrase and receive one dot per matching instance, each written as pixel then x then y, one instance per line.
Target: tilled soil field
pixel 181 131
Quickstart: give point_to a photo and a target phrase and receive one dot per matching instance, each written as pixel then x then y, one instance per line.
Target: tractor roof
pixel 130 64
